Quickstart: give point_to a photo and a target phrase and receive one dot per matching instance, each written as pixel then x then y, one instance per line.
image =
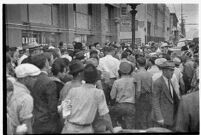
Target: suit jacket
pixel 46 117
pixel 162 102
pixel 188 113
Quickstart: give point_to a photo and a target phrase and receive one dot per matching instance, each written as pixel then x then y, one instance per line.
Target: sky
pixel 190 14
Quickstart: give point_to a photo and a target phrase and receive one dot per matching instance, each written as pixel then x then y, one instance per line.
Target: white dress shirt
pixel 109 64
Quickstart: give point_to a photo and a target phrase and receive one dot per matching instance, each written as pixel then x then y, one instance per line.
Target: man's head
pixel 141 62
pixel 90 74
pixel 76 68
pixel 93 53
pixel 27 74
pixel 59 68
pixel 164 48
pixel 40 61
pixel 168 69
pixel 97 45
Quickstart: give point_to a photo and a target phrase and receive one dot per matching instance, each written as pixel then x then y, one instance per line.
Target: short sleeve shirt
pixel 123 90
pixel 21 104
pixel 86 101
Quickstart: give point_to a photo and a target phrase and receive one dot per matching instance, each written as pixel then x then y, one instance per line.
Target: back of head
pixel 39 60
pixel 78 46
pixel 124 54
pixel 141 61
pixel 58 66
pixel 90 74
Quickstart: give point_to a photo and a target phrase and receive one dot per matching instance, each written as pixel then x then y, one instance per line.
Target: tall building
pixel 152 23
pixel 52 23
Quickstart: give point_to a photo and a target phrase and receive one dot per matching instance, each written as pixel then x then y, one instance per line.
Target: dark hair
pixel 8 58
pixel 184 48
pixel 66 61
pixel 93 52
pixel 91 46
pixel 152 60
pixel 39 60
pixel 27 60
pixel 78 46
pixel 124 54
pixel 58 66
pixel 90 74
pixel 61 44
pixel 95 44
pixel 166 56
pixel 141 61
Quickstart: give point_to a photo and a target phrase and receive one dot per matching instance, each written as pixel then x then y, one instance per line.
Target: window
pixel 123 10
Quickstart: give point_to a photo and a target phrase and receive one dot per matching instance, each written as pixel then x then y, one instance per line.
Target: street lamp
pixel 133 13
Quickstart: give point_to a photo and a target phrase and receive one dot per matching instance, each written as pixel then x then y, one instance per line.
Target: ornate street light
pixel 133 13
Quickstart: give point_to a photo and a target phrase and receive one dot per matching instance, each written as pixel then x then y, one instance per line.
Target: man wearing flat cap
pixel 165 97
pixel 20 106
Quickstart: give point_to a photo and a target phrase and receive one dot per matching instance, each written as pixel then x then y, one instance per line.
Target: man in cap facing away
pixel 123 91
pixel 165 98
pixel 20 106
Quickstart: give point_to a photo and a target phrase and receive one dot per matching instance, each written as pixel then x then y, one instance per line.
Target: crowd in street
pixel 74 88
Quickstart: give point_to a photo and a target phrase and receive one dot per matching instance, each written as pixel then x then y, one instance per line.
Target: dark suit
pixel 188 113
pixel 46 118
pixel 163 105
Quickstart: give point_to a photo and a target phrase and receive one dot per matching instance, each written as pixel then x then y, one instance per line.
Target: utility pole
pixel 182 23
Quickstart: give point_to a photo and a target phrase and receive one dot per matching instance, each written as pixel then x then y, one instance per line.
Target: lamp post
pixel 133 13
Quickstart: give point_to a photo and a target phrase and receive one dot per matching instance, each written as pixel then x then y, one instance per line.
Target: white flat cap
pixel 24 70
pixel 164 45
pixel 177 60
pixel 160 61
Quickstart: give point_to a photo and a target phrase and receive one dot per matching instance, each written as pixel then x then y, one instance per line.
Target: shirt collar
pixel 89 85
pixel 55 79
pixel 44 72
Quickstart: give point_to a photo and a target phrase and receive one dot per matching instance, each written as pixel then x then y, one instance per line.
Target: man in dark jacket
pixel 188 113
pixel 46 117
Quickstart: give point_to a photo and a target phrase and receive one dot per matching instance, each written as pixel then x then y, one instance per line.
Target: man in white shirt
pixel 110 65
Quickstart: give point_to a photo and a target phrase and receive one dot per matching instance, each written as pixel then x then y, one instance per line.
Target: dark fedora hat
pixel 76 66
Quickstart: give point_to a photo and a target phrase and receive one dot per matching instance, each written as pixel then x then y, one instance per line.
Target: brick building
pixel 52 23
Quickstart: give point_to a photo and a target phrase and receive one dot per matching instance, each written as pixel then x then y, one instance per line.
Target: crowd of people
pixel 74 88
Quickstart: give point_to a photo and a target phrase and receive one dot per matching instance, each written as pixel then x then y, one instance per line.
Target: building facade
pixel 49 24
pixel 174 29
pixel 152 23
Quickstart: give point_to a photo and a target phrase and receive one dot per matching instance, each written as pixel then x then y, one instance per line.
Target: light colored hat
pixel 92 61
pixel 24 70
pixel 164 45
pixel 160 61
pixel 125 67
pixel 176 60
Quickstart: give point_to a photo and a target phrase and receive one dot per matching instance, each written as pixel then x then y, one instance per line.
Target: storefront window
pixel 42 38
